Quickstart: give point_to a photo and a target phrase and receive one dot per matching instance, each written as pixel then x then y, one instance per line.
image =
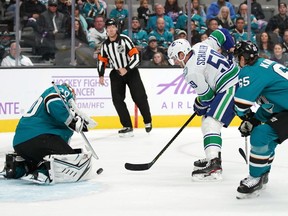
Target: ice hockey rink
pixel 166 189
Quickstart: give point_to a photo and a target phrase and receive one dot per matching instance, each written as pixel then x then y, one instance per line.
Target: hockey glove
pixel 78 124
pixel 199 108
pixel 245 128
pixel 248 124
pixel 75 111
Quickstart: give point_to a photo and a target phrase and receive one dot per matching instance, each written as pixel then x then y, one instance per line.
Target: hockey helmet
pixel 247 49
pixel 72 91
pixel 177 46
pixel 110 22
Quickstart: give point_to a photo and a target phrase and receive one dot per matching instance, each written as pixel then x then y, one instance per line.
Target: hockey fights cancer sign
pixel 168 93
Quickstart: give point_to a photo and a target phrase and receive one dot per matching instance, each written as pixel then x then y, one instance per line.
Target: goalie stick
pixel 82 134
pixel 146 166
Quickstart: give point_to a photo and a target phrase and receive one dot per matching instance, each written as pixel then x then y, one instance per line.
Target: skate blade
pixel 3 174
pixel 198 167
pixel 248 196
pixel 215 176
pixel 125 135
pixel 31 179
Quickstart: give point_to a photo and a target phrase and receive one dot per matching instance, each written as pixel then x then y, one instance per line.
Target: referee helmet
pixel 110 22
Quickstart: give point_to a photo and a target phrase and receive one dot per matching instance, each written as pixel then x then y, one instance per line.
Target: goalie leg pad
pixel 70 167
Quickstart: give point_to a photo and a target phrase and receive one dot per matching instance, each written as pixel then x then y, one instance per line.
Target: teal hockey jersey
pixel 47 115
pixel 266 83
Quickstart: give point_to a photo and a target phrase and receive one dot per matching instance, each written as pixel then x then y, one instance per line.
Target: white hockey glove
pixel 78 124
pixel 88 121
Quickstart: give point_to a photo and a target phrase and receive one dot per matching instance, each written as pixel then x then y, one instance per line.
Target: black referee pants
pixel 118 89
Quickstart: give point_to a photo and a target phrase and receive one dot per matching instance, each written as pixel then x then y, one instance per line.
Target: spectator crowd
pixel 46 28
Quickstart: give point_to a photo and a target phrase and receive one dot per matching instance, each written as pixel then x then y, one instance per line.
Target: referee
pixel 124 58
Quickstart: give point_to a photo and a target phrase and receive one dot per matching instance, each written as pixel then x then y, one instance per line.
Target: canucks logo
pixel 192 84
pixel 120 49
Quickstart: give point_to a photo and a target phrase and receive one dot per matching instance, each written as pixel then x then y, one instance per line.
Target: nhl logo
pixel 120 49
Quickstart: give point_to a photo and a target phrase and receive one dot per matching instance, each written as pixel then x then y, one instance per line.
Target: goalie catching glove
pixel 248 123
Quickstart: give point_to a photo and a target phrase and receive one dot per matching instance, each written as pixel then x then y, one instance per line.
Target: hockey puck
pixel 99 171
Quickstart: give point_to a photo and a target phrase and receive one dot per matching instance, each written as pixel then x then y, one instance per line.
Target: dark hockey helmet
pixel 110 22
pixel 247 49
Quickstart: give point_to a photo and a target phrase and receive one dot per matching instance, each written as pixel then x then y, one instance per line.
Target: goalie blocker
pixel 54 168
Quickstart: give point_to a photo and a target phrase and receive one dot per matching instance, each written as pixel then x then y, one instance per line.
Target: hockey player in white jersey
pixel 214 78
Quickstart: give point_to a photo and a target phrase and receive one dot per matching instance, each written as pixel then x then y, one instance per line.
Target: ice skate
pixel 211 172
pixel 251 186
pixel 265 178
pixel 200 164
pixel 37 177
pixel 126 132
pixel 3 174
pixel 148 127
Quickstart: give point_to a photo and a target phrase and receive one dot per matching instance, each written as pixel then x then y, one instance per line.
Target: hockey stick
pixel 246 150
pixel 146 166
pixel 244 154
pixel 82 134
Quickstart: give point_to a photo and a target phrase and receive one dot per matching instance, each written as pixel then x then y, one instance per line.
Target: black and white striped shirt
pixel 121 53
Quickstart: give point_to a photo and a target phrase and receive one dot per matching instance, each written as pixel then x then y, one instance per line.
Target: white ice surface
pixel 165 189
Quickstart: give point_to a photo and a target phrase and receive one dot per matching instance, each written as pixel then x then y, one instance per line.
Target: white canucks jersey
pixel 207 70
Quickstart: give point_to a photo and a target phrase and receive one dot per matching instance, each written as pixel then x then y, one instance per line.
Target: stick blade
pixel 242 153
pixel 137 167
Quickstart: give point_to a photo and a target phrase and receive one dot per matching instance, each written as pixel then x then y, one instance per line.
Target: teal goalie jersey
pixel 47 115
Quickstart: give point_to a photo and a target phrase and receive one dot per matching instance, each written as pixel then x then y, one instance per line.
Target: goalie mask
pixel 179 45
pixel 68 94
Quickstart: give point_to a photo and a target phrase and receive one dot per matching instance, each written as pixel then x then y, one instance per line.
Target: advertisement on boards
pixel 167 91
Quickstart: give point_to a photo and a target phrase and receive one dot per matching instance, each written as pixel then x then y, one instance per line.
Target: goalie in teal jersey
pixel 45 130
pixel 264 82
